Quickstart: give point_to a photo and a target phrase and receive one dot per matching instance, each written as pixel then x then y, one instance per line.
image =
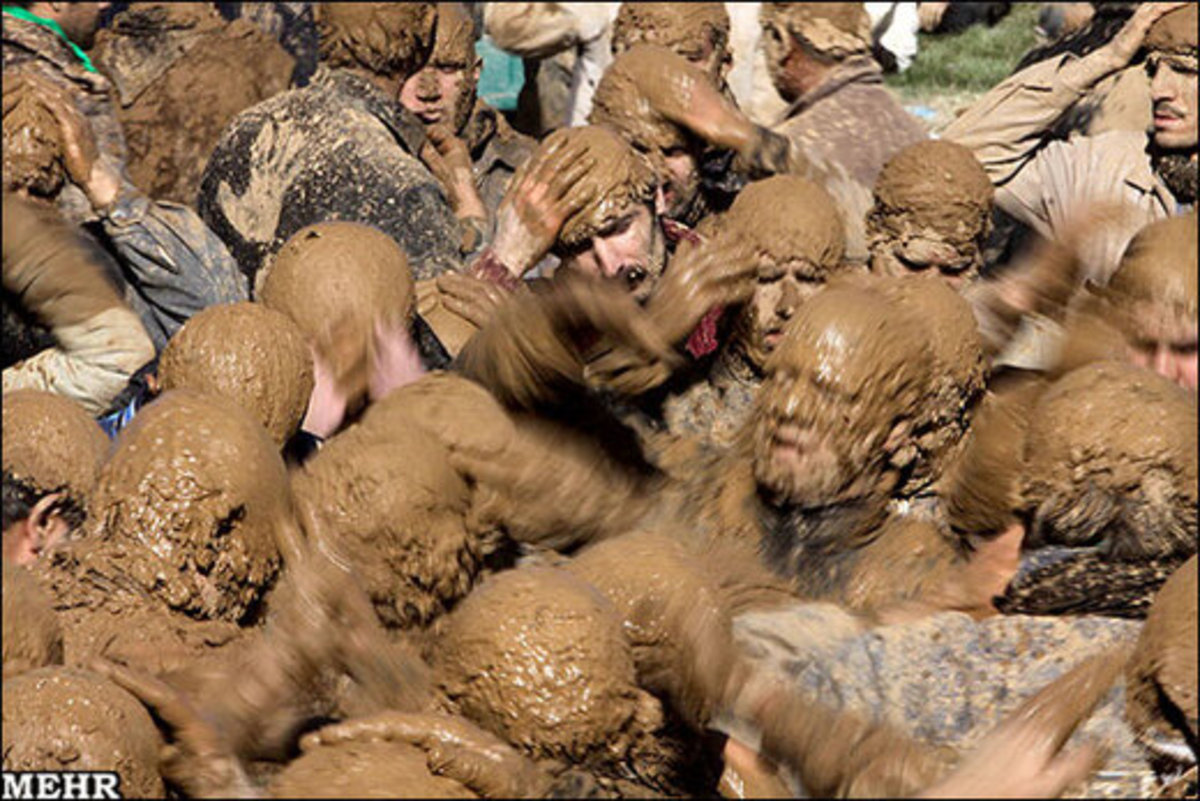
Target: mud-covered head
pixel 616 233
pixel 391 40
pixel 443 89
pixel 59 719
pixel 254 356
pixel 1160 690
pixel 51 445
pixel 845 389
pixel 32 635
pixel 539 658
pixel 981 489
pixel 363 769
pixel 958 373
pixel 1111 464
pixel 1153 299
pixel 1172 67
pixel 33 147
pixel 335 281
pixel 932 213
pixel 798 238
pixel 801 40
pixel 194 498
pixel 698 32
pixel 390 502
pixel 638 92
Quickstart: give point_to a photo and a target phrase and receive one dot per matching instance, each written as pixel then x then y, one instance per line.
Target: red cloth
pixel 488 268
pixel 703 340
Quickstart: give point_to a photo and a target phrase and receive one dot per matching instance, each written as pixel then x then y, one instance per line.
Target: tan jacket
pixel 101 342
pixel 1048 185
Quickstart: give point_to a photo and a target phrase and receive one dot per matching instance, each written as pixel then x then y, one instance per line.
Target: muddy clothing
pixel 30 46
pixel 181 73
pixel 100 342
pixel 1046 185
pixel 172 264
pixel 339 149
pixel 715 409
pixel 848 127
pixel 496 152
pixel 289 23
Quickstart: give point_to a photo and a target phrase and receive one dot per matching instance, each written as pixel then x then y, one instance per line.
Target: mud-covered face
pixel 842 387
pixel 779 292
pixel 1173 90
pixel 1158 339
pixel 680 180
pixel 908 248
pixel 442 91
pixel 629 247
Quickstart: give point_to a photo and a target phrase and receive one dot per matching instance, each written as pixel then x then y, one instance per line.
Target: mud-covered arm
pixel 1009 124
pixel 101 342
pixel 177 264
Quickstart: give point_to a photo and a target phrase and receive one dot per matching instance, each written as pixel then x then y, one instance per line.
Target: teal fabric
pixel 502 76
pixel 21 13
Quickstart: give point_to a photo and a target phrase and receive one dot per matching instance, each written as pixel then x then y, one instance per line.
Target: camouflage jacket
pixel 29 46
pixel 338 149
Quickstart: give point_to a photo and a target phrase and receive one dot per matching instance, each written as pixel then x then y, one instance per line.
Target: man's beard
pixel 1178 170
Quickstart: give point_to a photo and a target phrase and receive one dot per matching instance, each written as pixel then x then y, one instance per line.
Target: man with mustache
pixel 1046 185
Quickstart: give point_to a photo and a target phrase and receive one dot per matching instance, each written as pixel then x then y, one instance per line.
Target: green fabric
pixel 21 13
pixel 502 77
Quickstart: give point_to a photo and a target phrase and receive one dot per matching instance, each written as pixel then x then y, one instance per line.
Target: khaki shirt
pixel 1046 186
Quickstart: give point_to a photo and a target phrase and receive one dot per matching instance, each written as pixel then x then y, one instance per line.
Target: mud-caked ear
pixel 45 527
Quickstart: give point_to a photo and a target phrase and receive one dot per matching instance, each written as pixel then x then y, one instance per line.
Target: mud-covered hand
pixel 81 159
pixel 454 747
pixel 543 194
pixel 395 359
pixel 471 298
pixel 718 272
pixel 199 760
pixel 1125 45
pixel 448 159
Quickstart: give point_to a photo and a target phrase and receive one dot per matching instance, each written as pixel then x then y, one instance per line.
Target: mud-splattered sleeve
pixel 178 266
pixel 101 342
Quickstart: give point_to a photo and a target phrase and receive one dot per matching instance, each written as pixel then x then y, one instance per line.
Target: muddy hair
pixel 21 495
pixel 389 39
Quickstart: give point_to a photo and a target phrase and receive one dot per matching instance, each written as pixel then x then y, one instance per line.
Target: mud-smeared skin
pixel 181 74
pixel 1161 692
pixel 852 360
pixel 393 504
pixel 981 490
pixel 539 658
pixel 1154 292
pixel 66 719
pixel 934 190
pixel 454 46
pixel 959 373
pixel 252 355
pixel 33 149
pixel 620 177
pixel 385 38
pixel 1174 32
pixel 345 275
pixel 33 637
pixel 681 27
pixel 363 770
pixel 1111 460
pixel 836 29
pixel 193 498
pixel 620 103
pixel 51 442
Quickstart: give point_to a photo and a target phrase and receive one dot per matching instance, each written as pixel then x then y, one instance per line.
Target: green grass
pixel 951 71
pixel 974 60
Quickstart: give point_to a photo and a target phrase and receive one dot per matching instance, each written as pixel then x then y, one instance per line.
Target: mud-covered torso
pixel 335 150
pixel 180 78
